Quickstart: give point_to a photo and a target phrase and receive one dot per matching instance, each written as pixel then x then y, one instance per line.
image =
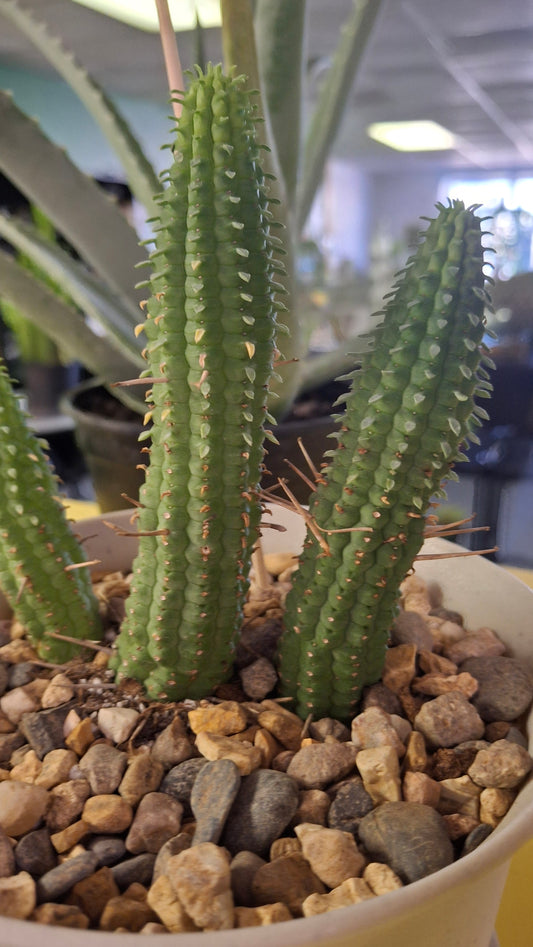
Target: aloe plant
pixel 99 232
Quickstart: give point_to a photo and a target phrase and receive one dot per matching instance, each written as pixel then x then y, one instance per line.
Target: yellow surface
pixel 514 925
pixel 515 918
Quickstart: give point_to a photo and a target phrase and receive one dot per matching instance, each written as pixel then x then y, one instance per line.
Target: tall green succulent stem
pixel 210 328
pixel 410 408
pixel 41 562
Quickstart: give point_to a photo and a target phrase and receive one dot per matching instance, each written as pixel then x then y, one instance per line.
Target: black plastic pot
pixel 107 435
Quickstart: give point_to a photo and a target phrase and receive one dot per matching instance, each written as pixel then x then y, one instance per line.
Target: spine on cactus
pixel 210 328
pixel 410 408
pixel 40 558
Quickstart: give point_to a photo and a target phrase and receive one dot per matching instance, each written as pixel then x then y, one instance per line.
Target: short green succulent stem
pixel 42 571
pixel 410 408
pixel 210 327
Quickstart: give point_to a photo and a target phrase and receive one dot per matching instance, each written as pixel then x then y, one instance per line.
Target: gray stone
pixel 264 806
pixel 138 869
pixel 103 766
pixel 43 729
pixel 180 779
pixel 320 764
pixel 55 883
pixel 409 837
pixel 476 837
pixel 35 853
pixel 350 804
pixel 412 628
pixel 212 796
pixel 20 674
pixel 505 686
pixel 448 720
pixel 108 849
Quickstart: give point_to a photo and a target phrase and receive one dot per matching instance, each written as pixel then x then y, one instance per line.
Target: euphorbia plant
pixel 210 325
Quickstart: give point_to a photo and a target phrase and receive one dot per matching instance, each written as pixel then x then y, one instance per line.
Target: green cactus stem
pixel 40 557
pixel 410 408
pixel 210 327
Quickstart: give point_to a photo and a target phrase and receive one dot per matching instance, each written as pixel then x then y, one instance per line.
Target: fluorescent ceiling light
pixel 143 14
pixel 412 136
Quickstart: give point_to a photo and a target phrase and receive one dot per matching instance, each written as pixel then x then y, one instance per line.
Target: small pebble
pixel 107 813
pixel 44 729
pixel 259 678
pixel 21 807
pixel 143 775
pixel 66 803
pixel 246 757
pixel 117 723
pixel 139 869
pixel 60 690
pixel 200 877
pixel 55 883
pixel 172 745
pixel 212 796
pixel 91 894
pixel 448 720
pixel 35 853
pixel 289 879
pixel 265 804
pixel 411 838
pixel 243 867
pixel 60 915
pixel 503 765
pixel 17 896
pixel 103 766
pixel 351 891
pixel 332 854
pixel 350 803
pixel 108 849
pixel 222 719
pixel 179 781
pixel 320 764
pixel 7 857
pixel 505 687
pixel 157 819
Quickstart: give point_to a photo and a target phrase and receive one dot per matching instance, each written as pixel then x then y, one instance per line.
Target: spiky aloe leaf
pixel 210 331
pixel 38 551
pixel 410 408
pixel 77 207
pixel 140 174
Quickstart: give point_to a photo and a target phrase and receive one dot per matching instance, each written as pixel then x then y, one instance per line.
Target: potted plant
pixel 108 245
pixel 210 331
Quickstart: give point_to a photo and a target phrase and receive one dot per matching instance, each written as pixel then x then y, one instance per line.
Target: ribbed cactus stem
pixel 410 408
pixel 39 555
pixel 210 327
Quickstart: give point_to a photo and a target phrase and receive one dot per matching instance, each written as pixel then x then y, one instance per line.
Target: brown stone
pixel 107 814
pixel 60 915
pixel 289 879
pixel 92 894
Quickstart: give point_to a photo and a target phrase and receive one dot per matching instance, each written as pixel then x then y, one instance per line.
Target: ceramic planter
pixel 457 905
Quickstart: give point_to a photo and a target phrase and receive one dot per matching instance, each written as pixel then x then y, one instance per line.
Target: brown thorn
pixel 132 501
pixel 457 555
pixel 120 531
pixel 301 474
pixel 309 462
pixel 82 642
pixel 81 565
pixel 138 381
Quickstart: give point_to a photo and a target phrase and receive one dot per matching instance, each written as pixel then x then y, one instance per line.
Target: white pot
pixel 455 907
